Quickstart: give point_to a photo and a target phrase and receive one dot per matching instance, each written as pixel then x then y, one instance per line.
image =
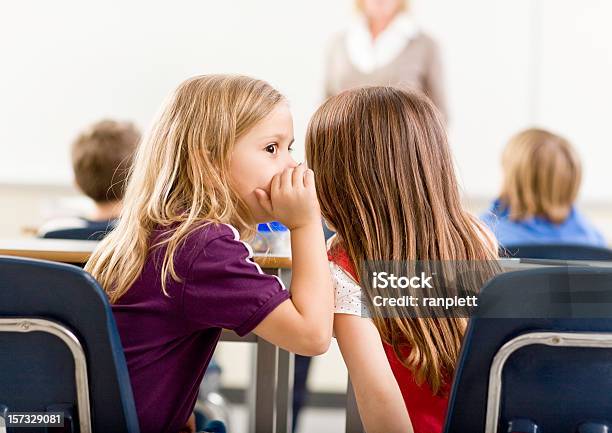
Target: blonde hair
pixel 180 178
pixel 386 182
pixel 542 176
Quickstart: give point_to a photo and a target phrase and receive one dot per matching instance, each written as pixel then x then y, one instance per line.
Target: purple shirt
pixel 169 340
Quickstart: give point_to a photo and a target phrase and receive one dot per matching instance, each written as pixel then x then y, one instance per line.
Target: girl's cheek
pixel 266 184
pixel 272 171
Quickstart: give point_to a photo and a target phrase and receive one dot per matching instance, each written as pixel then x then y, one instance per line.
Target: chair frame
pixel 555 339
pixel 31 324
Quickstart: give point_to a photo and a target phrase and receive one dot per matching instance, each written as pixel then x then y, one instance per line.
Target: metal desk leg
pixel 353 421
pixel 284 392
pixel 251 390
pixel 263 418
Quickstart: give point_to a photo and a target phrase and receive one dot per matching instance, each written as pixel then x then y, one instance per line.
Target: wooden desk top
pixel 69 251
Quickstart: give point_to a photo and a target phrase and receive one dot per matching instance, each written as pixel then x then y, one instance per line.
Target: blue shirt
pixel 575 230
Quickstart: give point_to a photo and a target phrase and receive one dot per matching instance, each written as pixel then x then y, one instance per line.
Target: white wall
pixel 575 83
pixel 509 64
pixel 69 63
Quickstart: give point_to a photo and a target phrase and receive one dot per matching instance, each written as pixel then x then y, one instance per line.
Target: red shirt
pixel 427 411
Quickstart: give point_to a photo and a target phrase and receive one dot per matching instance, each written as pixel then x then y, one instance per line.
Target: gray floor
pixel 312 420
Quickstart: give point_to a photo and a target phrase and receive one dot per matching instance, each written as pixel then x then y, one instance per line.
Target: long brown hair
pixel 542 176
pixel 386 183
pixel 180 178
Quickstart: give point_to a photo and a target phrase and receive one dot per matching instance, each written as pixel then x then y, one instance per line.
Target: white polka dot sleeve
pixel 347 293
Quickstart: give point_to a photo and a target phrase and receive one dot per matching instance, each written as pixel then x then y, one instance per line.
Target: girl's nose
pixel 290 163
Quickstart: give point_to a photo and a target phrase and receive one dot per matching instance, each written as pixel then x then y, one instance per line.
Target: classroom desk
pixel 70 251
pixel 270 400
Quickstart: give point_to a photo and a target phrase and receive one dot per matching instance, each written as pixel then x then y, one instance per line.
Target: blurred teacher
pixel 385 47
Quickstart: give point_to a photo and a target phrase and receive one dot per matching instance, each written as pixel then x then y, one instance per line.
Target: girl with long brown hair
pixel 386 184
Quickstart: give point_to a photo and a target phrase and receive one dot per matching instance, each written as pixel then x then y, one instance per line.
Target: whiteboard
pixel 575 84
pixel 509 64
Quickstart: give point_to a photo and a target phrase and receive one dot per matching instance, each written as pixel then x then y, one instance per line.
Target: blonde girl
pixel 542 175
pixel 216 163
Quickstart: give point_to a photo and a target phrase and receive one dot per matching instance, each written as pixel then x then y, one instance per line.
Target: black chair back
pixel 60 350
pixel 557 252
pixel 537 355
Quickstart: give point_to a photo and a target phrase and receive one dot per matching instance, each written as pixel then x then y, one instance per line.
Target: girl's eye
pixel 271 148
pixel 291 149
